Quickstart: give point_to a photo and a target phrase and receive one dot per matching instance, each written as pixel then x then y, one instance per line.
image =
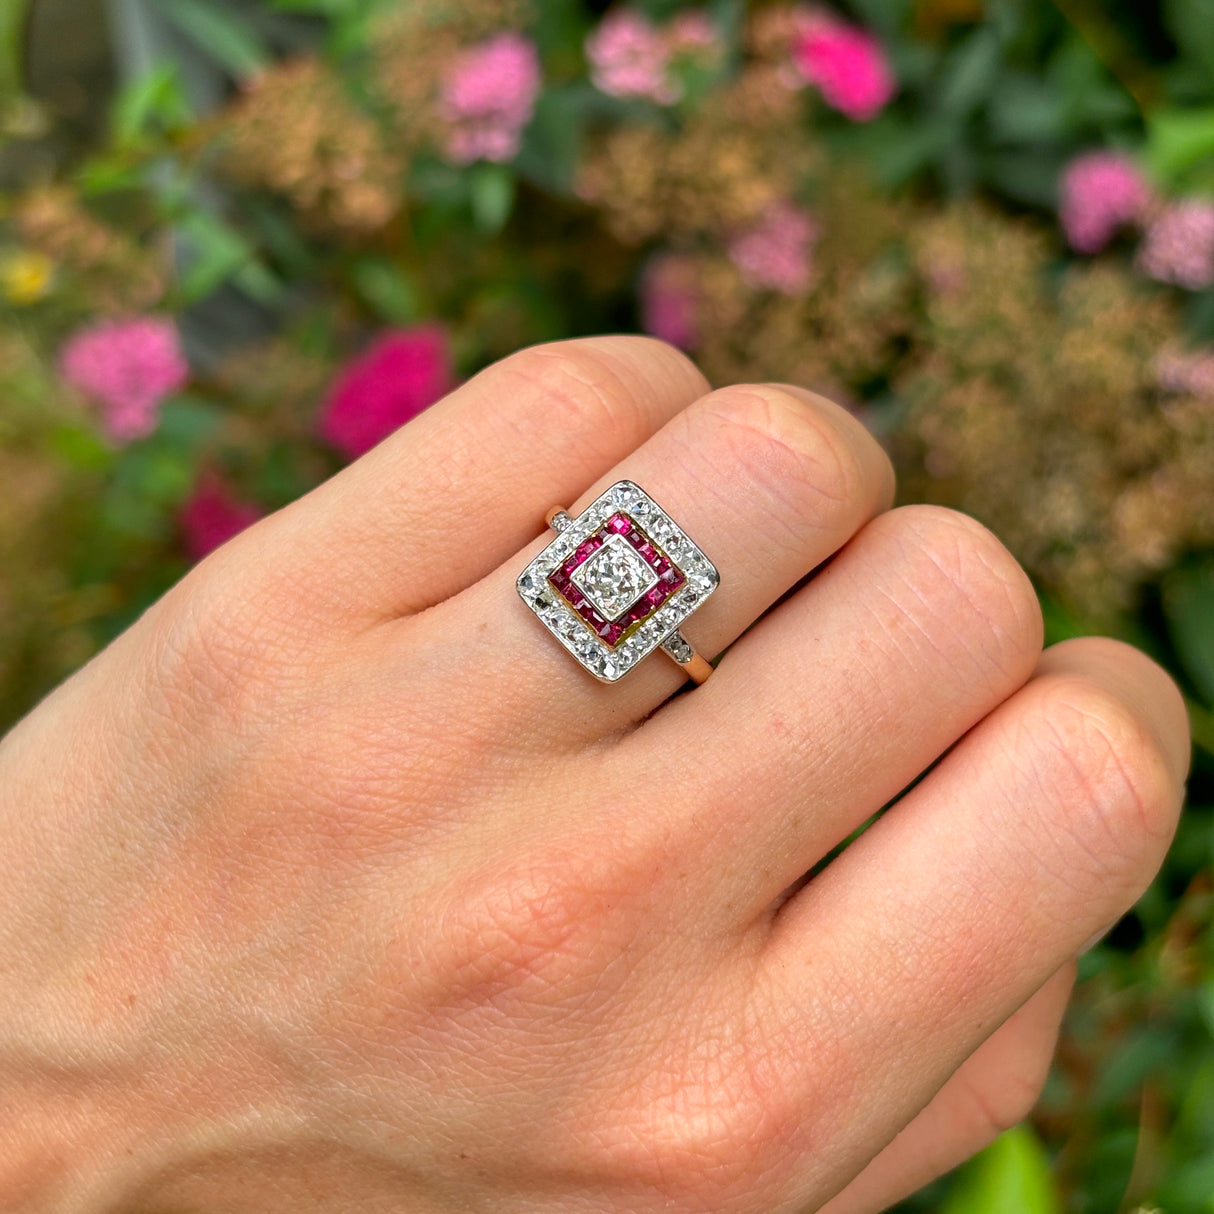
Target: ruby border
pixel 670 579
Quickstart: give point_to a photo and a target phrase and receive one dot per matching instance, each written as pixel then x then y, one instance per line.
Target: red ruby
pixel 612 633
pixel 671 576
pixel 657 596
pixel 619 523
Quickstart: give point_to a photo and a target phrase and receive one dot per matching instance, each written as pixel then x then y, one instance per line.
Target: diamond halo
pixel 617 581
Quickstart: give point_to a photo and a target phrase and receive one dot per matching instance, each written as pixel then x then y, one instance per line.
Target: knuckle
pixel 960 573
pixel 712 1127
pixel 799 454
pixel 1106 771
pixel 600 385
pixel 520 932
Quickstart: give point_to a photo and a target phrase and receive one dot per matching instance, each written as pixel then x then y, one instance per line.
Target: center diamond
pixel 614 577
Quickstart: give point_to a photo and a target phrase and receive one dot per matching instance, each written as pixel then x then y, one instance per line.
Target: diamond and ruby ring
pixel 617 582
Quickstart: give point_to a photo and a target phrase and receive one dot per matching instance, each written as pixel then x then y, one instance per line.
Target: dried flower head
pixel 113 272
pixel 297 132
pixel 718 171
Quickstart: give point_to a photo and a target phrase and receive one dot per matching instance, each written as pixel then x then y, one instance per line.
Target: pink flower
pixel 129 367
pixel 1187 372
pixel 213 515
pixel 488 97
pixel 846 64
pixel 1099 193
pixel 629 57
pixel 670 301
pixel 1179 245
pixel 392 381
pixel 693 30
pixel 778 251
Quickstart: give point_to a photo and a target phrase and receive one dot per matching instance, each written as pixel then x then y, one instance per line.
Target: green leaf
pixel 389 294
pixel 80 448
pixel 216 254
pixel 1191 24
pixel 188 421
pixel 1188 603
pixel 1176 141
pixel 219 32
pixel 969 72
pixel 552 142
pixel 1024 110
pixel 887 17
pixel 152 102
pixel 1012 1176
pixel 492 196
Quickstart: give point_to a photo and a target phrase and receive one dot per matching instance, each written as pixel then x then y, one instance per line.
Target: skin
pixel 334 884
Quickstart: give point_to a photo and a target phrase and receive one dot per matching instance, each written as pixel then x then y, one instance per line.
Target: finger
pixel 767 480
pixel 447 498
pixel 1036 831
pixel 994 1089
pixel 833 704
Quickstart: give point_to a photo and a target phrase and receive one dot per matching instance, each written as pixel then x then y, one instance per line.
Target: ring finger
pixel 768 480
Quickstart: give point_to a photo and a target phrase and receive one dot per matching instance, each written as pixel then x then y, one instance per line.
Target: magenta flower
pixel 778 251
pixel 846 64
pixel 1179 245
pixel 488 97
pixel 213 515
pixel 129 368
pixel 392 381
pixel 629 57
pixel 1099 193
pixel 670 301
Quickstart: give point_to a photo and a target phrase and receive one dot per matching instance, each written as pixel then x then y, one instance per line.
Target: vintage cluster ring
pixel 617 583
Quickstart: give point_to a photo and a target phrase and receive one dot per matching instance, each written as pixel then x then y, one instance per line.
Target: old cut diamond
pixel 614 577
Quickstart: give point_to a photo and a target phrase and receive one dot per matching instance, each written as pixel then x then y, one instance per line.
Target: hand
pixel 334 884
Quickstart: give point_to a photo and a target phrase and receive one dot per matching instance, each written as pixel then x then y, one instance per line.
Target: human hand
pixel 334 884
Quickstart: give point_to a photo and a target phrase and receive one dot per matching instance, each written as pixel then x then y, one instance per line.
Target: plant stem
pixel 14 17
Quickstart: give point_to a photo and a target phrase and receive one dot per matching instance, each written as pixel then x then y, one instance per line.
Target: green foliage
pixel 1012 1176
pixel 218 31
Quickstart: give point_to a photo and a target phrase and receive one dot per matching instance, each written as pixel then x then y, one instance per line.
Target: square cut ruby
pixel 669 579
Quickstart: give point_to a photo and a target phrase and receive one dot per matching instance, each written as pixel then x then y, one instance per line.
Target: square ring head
pixel 617 581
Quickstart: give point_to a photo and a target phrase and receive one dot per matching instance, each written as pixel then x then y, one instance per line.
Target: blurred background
pixel 242 240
